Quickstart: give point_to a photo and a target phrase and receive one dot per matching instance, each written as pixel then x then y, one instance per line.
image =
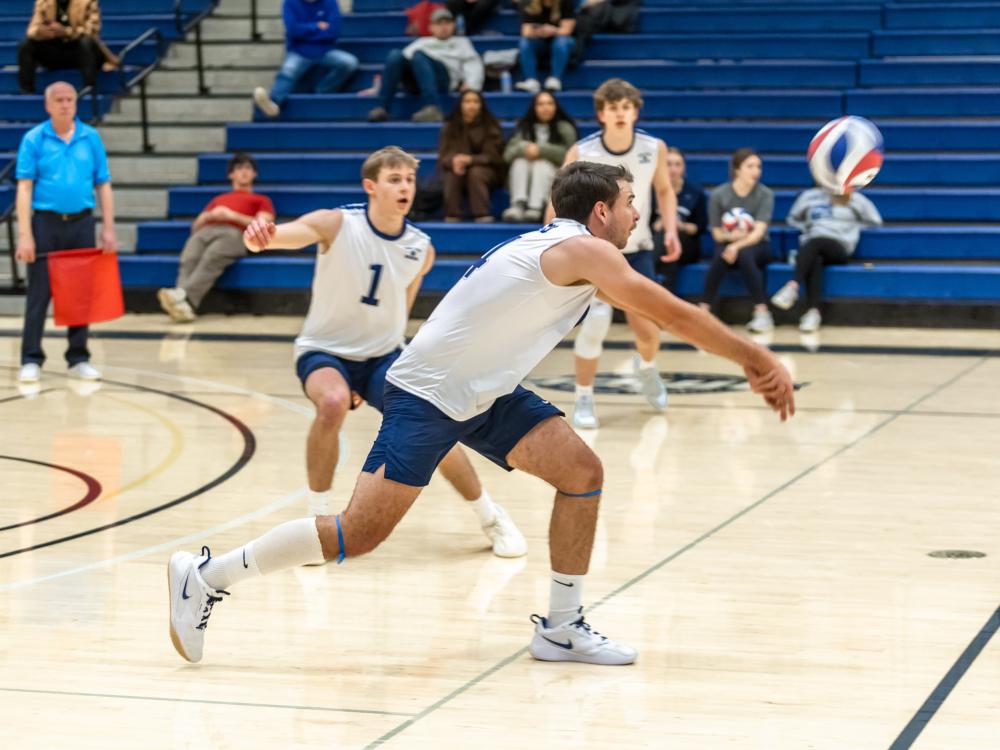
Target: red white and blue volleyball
pixel 846 154
pixel 737 218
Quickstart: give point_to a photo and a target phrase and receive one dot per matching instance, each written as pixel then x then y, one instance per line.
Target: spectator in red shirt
pixel 216 240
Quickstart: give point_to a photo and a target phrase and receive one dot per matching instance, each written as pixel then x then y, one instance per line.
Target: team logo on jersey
pixel 412 253
pixel 645 157
pixel 676 382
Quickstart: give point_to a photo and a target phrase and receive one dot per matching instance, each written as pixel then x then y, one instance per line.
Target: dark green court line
pixel 657 566
pixel 241 704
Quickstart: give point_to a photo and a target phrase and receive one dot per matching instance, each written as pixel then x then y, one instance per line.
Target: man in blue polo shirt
pixel 61 164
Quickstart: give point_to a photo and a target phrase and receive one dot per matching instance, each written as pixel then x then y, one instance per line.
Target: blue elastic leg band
pixel 340 541
pixel 595 493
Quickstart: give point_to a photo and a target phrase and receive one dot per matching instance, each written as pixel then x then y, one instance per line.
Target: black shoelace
pixel 207 611
pixel 586 628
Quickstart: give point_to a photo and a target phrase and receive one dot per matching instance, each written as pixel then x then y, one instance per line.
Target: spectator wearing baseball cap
pixel 430 66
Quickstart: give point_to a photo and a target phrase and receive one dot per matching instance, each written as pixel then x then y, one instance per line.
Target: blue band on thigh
pixel 595 493
pixel 340 541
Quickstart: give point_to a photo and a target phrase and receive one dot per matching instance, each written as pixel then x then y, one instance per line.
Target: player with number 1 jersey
pixel 369 267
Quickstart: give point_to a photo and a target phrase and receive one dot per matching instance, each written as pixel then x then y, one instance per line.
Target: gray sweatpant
pixel 530 182
pixel 207 253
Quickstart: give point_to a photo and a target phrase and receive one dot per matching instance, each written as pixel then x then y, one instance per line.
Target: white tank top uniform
pixel 494 326
pixel 640 160
pixel 358 306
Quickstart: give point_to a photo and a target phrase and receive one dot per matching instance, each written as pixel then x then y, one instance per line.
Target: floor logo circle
pixel 676 382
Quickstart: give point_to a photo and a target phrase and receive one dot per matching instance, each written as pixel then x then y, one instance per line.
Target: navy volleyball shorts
pixel 415 435
pixel 367 376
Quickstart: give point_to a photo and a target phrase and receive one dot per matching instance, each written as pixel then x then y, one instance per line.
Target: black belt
pixel 66 217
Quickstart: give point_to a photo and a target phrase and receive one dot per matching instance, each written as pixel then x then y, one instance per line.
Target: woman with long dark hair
pixel 470 157
pixel 739 213
pixel 534 154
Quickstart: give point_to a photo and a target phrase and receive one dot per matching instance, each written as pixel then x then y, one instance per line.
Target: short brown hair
pixel 386 158
pixel 614 90
pixel 577 187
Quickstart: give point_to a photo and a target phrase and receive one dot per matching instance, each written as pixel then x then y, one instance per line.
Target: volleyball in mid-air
pixel 845 154
pixel 737 218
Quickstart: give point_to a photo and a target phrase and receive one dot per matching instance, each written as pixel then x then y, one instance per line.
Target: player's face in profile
pixel 395 188
pixel 619 115
pixel 622 216
pixel 750 170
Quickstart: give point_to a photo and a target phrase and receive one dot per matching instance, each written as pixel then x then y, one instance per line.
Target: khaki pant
pixel 207 253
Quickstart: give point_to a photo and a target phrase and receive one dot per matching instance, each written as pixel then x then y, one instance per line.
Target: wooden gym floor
pixel 776 579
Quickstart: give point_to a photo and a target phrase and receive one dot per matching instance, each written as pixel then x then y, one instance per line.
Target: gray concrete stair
pixel 233 53
pixel 126 136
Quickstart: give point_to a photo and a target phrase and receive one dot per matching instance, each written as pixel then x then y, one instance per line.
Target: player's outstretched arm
pixel 600 263
pixel 666 202
pixel 316 227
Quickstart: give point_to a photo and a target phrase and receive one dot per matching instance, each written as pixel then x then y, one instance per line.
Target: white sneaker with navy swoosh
pixel 575 641
pixel 191 602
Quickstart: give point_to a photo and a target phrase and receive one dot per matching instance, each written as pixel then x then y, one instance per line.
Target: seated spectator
pixel 692 219
pixel 747 249
pixel 216 240
pixel 435 64
pixel 61 34
pixel 831 226
pixel 546 25
pixel 602 17
pixel 470 158
pixel 476 13
pixel 311 31
pixel 534 153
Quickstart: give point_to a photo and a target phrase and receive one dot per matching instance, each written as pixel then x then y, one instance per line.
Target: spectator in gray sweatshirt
pixel 434 64
pixel 831 226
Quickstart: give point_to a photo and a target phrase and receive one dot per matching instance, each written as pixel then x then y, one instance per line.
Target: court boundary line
pixel 915 726
pixel 677 553
pixel 205 701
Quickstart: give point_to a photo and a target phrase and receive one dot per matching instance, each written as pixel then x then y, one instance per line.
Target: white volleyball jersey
pixel 494 326
pixel 358 307
pixel 640 160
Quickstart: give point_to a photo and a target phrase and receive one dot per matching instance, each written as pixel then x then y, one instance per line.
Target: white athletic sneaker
pixel 30 373
pixel 531 85
pixel 175 304
pixel 507 539
pixel 762 321
pixel 575 641
pixel 552 84
pixel 786 297
pixel 809 323
pixel 584 415
pixel 85 371
pixel 265 103
pixel 191 602
pixel 651 384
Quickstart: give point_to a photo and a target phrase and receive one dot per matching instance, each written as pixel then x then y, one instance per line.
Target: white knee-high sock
pixel 564 599
pixel 319 502
pixel 289 545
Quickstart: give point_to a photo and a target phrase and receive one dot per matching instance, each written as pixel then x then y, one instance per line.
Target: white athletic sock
pixel 644 365
pixel 289 545
pixel 319 502
pixel 484 508
pixel 564 599
pixel 584 390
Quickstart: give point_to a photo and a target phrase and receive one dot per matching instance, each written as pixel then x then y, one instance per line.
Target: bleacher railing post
pixel 147 147
pixel 254 33
pixel 202 88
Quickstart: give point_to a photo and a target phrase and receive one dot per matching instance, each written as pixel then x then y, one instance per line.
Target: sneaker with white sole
pixel 575 641
pixel 265 103
pixel 175 304
pixel 85 371
pixel 552 84
pixel 584 413
pixel 191 602
pixel 530 85
pixel 810 322
pixel 761 322
pixel 506 538
pixel 786 297
pixel 650 384
pixel 31 372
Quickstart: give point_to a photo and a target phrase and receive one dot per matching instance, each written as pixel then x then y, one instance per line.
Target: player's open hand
pixel 258 234
pixel 775 385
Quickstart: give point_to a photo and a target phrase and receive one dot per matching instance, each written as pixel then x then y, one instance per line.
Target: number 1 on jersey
pixel 370 298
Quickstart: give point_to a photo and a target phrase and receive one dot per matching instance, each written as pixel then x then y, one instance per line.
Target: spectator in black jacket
pixel 692 218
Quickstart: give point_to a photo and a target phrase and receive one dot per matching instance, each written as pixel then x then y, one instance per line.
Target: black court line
pixel 241 704
pixel 249 448
pixel 281 338
pixel 673 556
pixel 938 696
pixel 93 490
pixel 24 396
